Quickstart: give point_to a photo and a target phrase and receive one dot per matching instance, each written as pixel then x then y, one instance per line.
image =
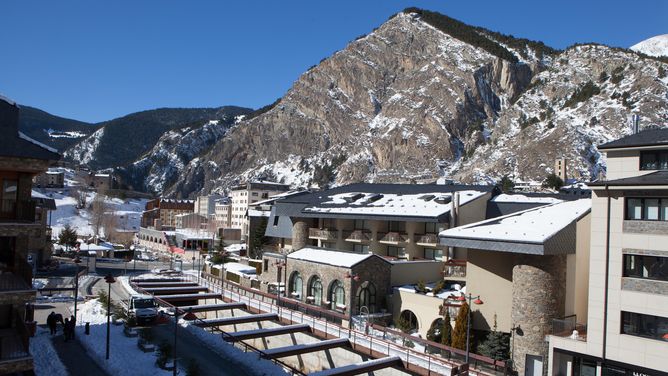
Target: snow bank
pixel 44 356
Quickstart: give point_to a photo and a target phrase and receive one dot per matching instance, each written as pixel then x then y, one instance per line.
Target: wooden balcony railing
pixel 455 268
pixel 358 236
pixel 17 211
pixel 323 234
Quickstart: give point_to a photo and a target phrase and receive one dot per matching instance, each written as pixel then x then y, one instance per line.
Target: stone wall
pixel 300 234
pixel 539 287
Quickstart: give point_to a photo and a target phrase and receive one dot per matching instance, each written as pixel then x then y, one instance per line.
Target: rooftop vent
pixel 427 197
pixel 443 199
pixel 353 197
pixel 374 197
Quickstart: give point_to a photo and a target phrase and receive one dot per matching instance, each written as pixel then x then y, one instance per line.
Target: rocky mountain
pixel 122 141
pixel 425 96
pixel 654 46
pixel 58 132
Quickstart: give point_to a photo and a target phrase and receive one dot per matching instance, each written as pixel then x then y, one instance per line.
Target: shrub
pixel 496 345
pixel 581 94
pixel 506 184
pixel 459 334
pixel 420 287
pixel 553 181
pixel 440 285
pixel 446 331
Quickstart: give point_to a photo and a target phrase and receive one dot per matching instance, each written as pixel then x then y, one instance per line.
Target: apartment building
pixel 206 205
pixel 21 158
pixel 164 211
pixel 244 195
pixel 223 212
pixel 625 330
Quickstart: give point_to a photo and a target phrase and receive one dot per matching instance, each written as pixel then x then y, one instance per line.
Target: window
pixel 254 194
pixel 647 209
pixel 648 326
pixel 296 285
pixel 360 248
pixel 361 224
pixel 433 254
pixel 266 266
pixel 329 223
pixel 394 226
pixel 337 295
pixel 646 267
pixel 276 220
pixel 9 195
pixel 366 297
pixel 395 251
pixel 432 228
pixel 654 160
pixel 315 290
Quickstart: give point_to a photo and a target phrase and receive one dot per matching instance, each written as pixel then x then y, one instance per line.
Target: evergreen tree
pixel 68 236
pixel 506 184
pixel 553 181
pixel 496 345
pixel 459 334
pixel 446 331
pixel 258 239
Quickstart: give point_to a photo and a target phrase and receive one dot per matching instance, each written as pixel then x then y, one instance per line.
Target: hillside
pixel 55 131
pixel 124 140
pixel 654 46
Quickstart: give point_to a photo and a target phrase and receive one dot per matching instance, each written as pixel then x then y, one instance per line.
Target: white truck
pixel 143 308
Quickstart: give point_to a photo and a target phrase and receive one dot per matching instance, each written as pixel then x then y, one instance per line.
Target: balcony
pixel 427 240
pixel 393 238
pixel 454 269
pixel 358 236
pixel 569 328
pixel 21 211
pixel 323 234
pixel 17 278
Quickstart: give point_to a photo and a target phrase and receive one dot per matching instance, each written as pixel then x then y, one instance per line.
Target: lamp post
pixel 478 301
pixel 109 279
pixel 134 259
pixel 199 273
pixel 193 262
pixel 279 266
pixel 77 261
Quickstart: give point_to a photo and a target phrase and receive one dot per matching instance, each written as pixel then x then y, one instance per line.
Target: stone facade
pixel 300 234
pixel 539 286
pixel 646 227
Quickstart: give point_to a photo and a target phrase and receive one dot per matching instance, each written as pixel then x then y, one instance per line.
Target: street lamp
pixel 134 258
pixel 478 301
pixel 279 265
pixel 109 279
pixel 77 261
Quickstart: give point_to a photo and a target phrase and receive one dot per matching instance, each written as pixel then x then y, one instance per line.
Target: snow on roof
pixel 54 172
pixel 422 204
pixel 529 226
pixel 35 194
pixel 92 247
pixel 11 102
pixel 258 213
pixel 49 148
pixel 525 199
pixel 101 175
pixel 329 256
pixel 236 267
pixel 235 248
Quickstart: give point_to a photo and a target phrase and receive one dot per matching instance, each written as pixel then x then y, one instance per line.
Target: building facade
pixel 21 158
pixel 50 179
pixel 206 205
pixel 625 331
pixel 162 212
pixel 244 195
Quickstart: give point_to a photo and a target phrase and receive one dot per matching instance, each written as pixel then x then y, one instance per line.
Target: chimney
pixel 635 123
pixel 9 118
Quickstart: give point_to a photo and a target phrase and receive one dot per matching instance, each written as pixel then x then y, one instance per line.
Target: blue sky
pixel 96 60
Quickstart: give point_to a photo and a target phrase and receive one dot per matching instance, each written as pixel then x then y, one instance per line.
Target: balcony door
pixel 8 198
pixel 7 253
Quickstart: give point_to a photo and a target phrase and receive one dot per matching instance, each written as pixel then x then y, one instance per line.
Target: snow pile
pixel 525 199
pixel 654 46
pixel 125 357
pixel 44 356
pixel 246 360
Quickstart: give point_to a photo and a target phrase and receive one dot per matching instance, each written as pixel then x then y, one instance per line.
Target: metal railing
pixel 17 210
pixel 419 362
pixel 323 234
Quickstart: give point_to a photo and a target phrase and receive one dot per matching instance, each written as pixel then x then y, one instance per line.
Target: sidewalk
pixel 75 358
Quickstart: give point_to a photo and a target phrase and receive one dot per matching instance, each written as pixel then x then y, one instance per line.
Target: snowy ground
pixel 44 356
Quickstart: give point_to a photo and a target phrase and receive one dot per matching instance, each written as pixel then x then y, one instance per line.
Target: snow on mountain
pixel 654 46
pixel 84 151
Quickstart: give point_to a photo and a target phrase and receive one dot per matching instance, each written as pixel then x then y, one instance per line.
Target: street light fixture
pixel 478 301
pixel 109 279
pixel 279 265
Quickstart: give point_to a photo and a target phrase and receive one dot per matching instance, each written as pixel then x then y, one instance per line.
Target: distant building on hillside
pixel 161 212
pixel 561 168
pixel 50 179
pixel 244 195
pixel 101 182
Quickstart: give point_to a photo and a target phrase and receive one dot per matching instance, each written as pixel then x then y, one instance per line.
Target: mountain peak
pixel 654 46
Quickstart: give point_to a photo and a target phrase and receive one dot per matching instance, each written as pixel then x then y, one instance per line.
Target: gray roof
pixel 653 178
pixel 647 137
pixel 14 145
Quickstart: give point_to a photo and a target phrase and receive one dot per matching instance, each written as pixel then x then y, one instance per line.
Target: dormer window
pixel 654 160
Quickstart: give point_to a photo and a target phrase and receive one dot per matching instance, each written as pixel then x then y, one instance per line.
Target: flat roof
pixel 528 231
pixel 647 137
pixel 329 256
pixel 653 178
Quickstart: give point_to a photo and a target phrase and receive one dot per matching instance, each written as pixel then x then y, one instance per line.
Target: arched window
pixel 315 290
pixel 408 322
pixel 366 297
pixel 296 285
pixel 337 295
pixel 434 332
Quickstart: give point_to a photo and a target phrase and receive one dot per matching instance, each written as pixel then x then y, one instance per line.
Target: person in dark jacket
pixel 72 326
pixel 51 323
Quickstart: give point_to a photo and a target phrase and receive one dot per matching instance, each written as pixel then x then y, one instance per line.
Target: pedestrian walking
pixel 51 322
pixel 72 326
pixel 66 330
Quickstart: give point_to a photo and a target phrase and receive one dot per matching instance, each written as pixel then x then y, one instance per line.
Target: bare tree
pixel 109 225
pixel 98 209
